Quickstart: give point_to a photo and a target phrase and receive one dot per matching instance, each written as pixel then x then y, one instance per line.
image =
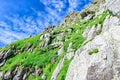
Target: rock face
pixel 113 6
pixel 103 65
pixel 4 55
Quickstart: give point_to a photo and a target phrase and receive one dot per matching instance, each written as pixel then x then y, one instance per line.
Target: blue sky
pixel 21 18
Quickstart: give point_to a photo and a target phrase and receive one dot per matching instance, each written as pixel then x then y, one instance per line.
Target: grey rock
pixel 90 16
pixel 19 74
pixel 57 70
pixel 53 59
pixel 56 45
pixel 103 65
pixel 45 40
pixel 42 37
pixel 30 49
pixel 110 21
pixel 69 55
pixel 2 62
pixel 1 54
pixel 60 36
pixel 43 77
pixel 8 75
pixel 70 30
pixel 8 54
pixel 98 27
pixel 92 33
pixel 25 76
pixel 1 75
pixel 86 31
pixel 69 49
pixel 113 6
pixel 61 50
pixel 37 71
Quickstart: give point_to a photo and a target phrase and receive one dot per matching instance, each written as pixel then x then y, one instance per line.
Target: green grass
pixel 94 51
pixel 29 59
pixel 31 77
pixel 21 44
pixel 64 70
pixel 48 70
pixel 98 19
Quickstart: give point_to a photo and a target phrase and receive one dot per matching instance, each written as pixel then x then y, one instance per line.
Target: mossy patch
pixel 94 51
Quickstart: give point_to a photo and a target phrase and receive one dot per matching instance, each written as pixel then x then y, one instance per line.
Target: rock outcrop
pixel 84 46
pixel 113 6
pixel 105 64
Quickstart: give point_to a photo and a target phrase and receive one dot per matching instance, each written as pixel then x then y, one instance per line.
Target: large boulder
pixel 103 65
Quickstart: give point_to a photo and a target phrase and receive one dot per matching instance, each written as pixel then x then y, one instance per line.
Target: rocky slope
pixel 84 46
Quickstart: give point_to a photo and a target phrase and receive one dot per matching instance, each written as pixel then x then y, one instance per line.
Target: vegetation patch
pixel 31 77
pixel 94 51
pixel 64 70
pixel 29 59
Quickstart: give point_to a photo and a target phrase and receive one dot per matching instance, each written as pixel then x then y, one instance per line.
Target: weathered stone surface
pixel 110 21
pixel 113 6
pixel 56 45
pixel 1 75
pixel 103 65
pixel 7 54
pixel 4 55
pixel 19 74
pixel 1 54
pixel 53 60
pixel 30 49
pixel 69 55
pixel 70 30
pixel 8 75
pixel 90 16
pixel 25 76
pixel 2 62
pixel 45 40
pixel 61 50
pixel 57 70
pixel 91 33
pixel 43 77
pixel 60 36
pixel 37 71
pixel 86 31
pixel 69 49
